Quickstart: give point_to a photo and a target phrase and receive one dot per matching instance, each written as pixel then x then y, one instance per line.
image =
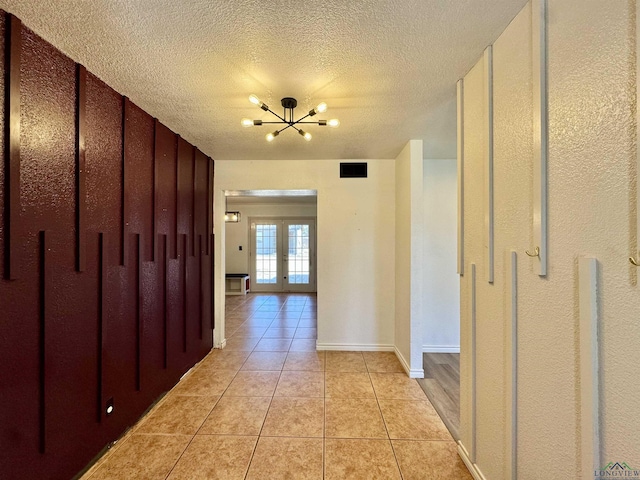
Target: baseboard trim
pixel 413 373
pixel 472 467
pixel 441 349
pixel 355 347
pixel 222 344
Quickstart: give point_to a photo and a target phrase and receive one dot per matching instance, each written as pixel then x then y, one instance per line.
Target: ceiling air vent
pixel 353 170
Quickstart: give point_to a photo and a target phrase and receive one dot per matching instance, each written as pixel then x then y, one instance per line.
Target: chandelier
pixel 287 118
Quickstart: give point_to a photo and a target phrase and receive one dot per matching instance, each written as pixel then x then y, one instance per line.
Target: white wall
pixel 356 238
pixel 237 234
pixel 441 293
pixel 408 258
pixel 592 186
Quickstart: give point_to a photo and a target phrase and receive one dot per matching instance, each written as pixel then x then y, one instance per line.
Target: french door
pixel 282 254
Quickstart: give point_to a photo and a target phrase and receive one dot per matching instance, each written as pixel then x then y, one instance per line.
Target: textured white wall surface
pixel 355 243
pixel 441 293
pixel 473 235
pixel 592 191
pixel 237 234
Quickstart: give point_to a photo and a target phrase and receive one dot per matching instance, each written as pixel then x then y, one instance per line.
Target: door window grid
pixel 266 254
pixel 298 254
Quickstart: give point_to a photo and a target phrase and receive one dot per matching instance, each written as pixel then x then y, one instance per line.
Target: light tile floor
pixel 269 406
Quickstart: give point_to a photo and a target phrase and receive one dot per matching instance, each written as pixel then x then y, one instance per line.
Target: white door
pixel 283 255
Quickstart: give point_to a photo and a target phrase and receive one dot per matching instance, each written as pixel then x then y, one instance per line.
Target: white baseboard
pixel 413 373
pixel 472 467
pixel 222 344
pixel 440 348
pixel 355 347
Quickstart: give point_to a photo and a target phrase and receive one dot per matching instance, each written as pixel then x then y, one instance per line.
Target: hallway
pixel 269 406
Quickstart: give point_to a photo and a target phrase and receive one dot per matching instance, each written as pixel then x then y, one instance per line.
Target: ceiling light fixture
pixel 287 118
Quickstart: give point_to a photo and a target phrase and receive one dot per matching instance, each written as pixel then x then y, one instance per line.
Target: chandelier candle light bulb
pixel 287 118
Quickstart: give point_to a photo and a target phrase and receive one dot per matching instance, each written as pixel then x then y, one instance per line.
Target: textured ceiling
pixel 386 68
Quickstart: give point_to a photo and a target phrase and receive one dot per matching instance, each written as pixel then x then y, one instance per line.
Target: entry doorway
pixel 283 254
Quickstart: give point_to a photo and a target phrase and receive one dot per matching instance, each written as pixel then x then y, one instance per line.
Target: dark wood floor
pixel 441 383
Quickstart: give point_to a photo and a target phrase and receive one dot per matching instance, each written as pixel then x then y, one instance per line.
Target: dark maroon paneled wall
pixel 105 235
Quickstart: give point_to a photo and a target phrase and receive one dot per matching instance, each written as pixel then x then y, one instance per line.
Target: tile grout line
pixel 384 421
pixel 206 417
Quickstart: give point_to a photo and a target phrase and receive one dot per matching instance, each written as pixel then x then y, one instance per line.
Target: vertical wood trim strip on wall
pixel 637 250
pixel 102 285
pixel 540 131
pixel 154 213
pixel 488 159
pixel 175 198
pixel 184 290
pixel 209 208
pixel 42 307
pixel 192 207
pixel 139 302
pixel 81 189
pixel 211 277
pixel 163 255
pixel 124 240
pixel 589 376
pixel 200 295
pixel 472 353
pixel 512 368
pixel 460 147
pixel 13 44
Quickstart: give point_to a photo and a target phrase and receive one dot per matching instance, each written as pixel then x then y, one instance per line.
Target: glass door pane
pixel 282 255
pixel 298 254
pixel 266 275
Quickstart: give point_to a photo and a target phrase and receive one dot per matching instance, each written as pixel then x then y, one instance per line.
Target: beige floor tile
pixel 345 362
pixel 364 459
pixel 293 314
pixel 382 362
pixel 284 323
pixel 279 333
pixel 253 384
pixel 308 323
pixel 306 332
pixel 214 457
pixel 273 345
pixel 303 345
pixel 300 384
pixel 143 457
pixel 178 414
pixel 287 458
pixel 242 343
pixel 259 323
pixel 305 361
pixel 249 331
pixel 424 460
pixel 348 385
pixel 204 381
pixel 353 418
pixel 270 308
pixel 236 416
pixel 294 417
pixel 396 385
pixel 233 323
pixel 413 419
pixel 263 314
pixel 224 359
pixel 265 361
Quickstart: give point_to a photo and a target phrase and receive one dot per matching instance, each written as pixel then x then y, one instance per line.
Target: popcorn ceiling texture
pixel 592 191
pixel 386 68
